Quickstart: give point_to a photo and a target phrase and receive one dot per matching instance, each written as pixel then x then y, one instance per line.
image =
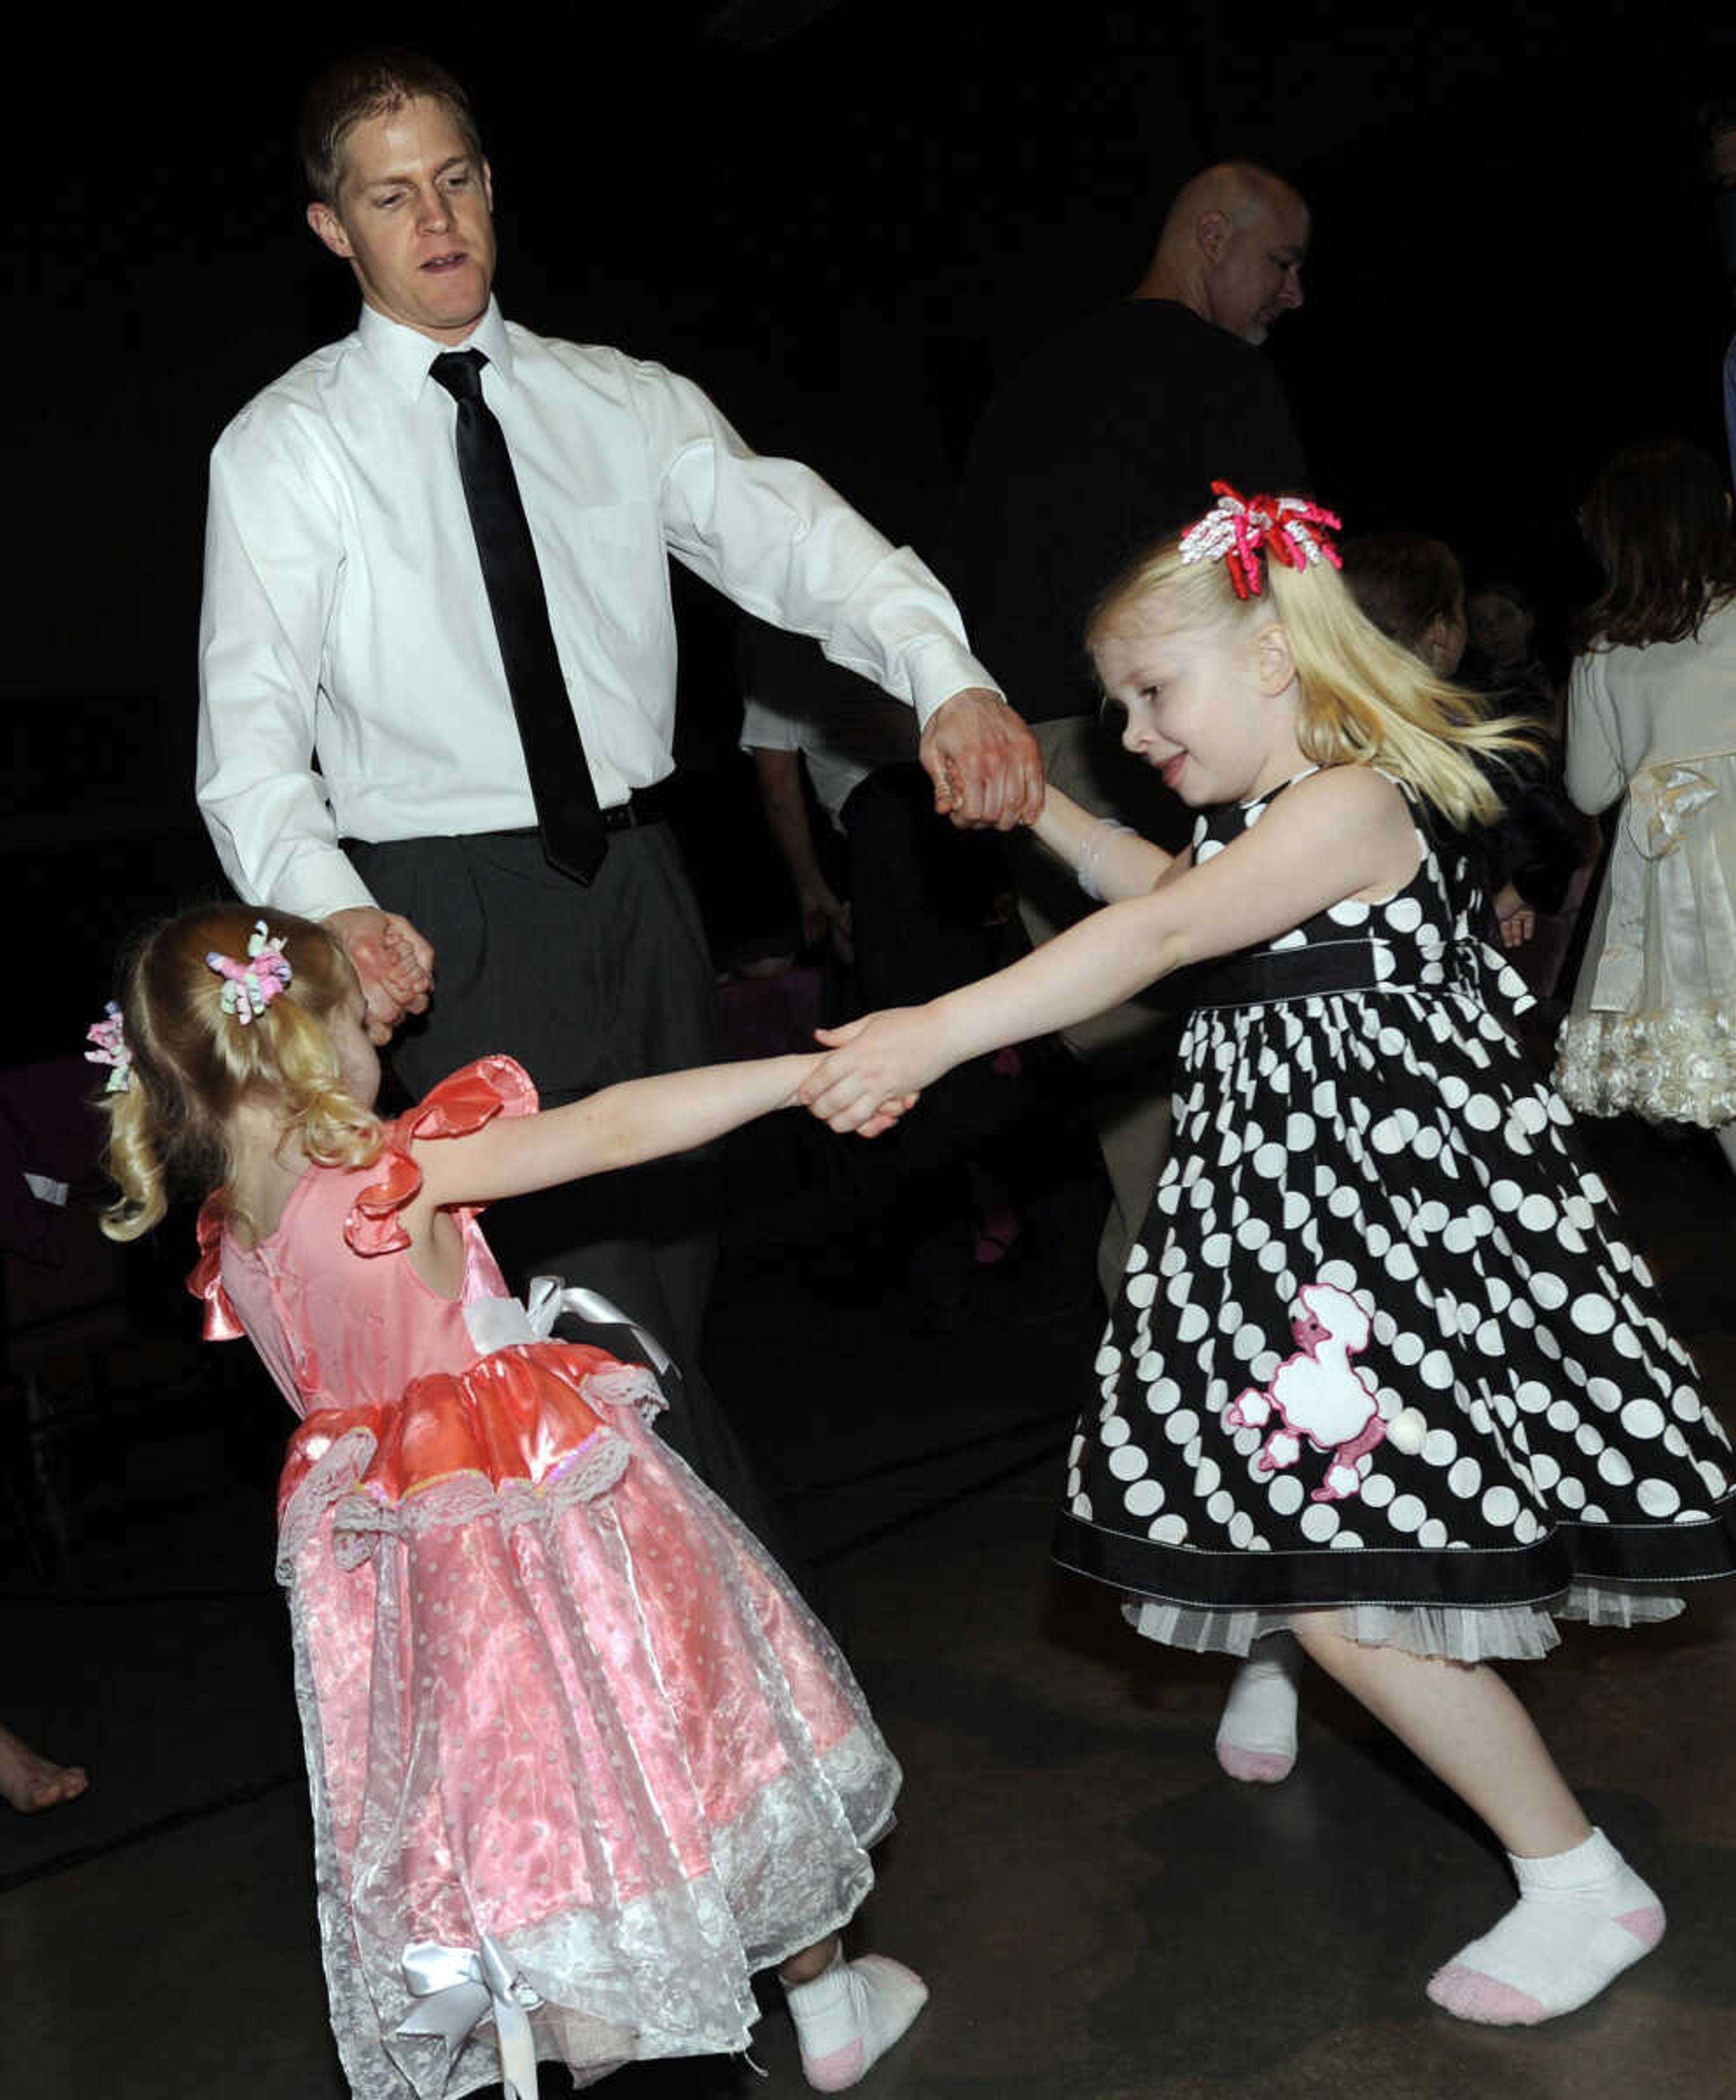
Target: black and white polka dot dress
pixel 1381 1346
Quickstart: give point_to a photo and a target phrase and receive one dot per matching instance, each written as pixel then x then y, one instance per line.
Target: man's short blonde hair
pixel 371 84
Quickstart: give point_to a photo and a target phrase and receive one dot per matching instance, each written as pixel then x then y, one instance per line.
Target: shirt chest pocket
pixel 604 568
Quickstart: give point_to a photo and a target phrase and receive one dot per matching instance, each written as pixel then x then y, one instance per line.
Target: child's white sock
pixel 1581 1918
pixel 850 2015
pixel 1257 1736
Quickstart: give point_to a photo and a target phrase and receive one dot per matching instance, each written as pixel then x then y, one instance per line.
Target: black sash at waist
pixel 1274 974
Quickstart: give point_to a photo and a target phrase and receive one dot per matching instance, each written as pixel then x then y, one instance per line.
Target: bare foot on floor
pixel 30 1782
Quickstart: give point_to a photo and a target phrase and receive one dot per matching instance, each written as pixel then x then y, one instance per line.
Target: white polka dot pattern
pixel 1393 1141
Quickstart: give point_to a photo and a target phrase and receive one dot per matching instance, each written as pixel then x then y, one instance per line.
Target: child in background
pixel 1412 589
pixel 1382 1373
pixel 1652 723
pixel 580 1759
pixel 1502 626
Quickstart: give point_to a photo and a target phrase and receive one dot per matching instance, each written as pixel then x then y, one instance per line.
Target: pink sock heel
pixel 1647 1926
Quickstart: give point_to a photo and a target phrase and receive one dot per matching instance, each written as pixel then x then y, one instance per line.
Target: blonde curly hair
pixel 194 1065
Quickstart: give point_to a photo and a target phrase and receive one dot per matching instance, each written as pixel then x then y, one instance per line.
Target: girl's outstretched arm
pixel 622 1126
pixel 1121 864
pixel 1336 835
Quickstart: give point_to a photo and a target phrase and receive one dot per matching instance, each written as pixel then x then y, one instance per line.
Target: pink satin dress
pixel 581 1761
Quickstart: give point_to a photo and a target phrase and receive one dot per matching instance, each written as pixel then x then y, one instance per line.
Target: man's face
pixel 414 219
pixel 1255 275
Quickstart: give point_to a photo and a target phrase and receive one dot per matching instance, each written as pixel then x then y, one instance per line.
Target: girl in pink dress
pixel 581 1761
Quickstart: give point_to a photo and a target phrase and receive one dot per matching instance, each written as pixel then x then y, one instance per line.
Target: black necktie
pixel 561 784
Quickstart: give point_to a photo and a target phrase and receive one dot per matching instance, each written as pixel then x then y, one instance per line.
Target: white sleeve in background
pixel 774 536
pixel 1595 776
pixel 768 728
pixel 272 561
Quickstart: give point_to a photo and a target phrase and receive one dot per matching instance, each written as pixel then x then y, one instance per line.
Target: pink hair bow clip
pixel 112 1049
pixel 1292 528
pixel 251 986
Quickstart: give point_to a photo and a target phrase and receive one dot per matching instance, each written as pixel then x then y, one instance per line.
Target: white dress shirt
pixel 842 744
pixel 844 729
pixel 344 611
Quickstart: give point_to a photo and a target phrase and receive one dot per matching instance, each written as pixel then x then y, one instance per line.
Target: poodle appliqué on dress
pixel 1318 1393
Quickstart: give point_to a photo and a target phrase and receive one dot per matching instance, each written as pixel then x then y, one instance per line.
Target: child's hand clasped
pixel 878 1068
pixel 393 962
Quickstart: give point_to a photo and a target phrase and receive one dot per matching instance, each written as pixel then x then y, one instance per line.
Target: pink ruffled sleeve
pixel 475 1096
pixel 220 1321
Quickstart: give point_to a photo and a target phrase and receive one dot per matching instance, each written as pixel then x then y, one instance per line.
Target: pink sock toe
pixel 1647 1926
pixel 1258 1767
pixel 838 2072
pixel 1472 1995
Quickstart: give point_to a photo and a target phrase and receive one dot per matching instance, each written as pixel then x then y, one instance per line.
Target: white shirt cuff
pixel 938 669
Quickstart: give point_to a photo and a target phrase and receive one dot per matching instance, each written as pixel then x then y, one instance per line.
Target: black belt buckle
pixel 645 805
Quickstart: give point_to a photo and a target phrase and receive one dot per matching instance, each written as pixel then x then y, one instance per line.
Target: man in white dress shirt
pixel 346 616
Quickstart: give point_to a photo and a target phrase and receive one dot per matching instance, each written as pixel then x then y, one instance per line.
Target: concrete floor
pixel 1101 1916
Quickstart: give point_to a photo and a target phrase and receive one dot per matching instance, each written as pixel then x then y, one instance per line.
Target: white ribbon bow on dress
pixel 460 1988
pixel 1662 800
pixel 495 1323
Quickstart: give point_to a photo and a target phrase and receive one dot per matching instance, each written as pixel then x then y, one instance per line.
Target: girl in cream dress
pixel 1652 723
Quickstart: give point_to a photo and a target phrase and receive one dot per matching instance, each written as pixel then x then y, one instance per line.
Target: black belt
pixel 1286 973
pixel 645 805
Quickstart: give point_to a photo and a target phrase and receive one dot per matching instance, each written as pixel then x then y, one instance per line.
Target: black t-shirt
pixel 1107 440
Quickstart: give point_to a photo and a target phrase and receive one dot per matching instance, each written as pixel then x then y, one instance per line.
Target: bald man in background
pixel 1107 440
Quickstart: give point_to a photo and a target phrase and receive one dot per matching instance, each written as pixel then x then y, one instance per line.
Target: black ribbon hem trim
pixel 1235 1579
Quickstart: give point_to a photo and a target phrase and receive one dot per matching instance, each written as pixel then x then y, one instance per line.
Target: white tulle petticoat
pixel 1494 1633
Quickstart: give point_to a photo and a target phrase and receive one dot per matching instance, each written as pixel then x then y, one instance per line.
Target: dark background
pixel 846 221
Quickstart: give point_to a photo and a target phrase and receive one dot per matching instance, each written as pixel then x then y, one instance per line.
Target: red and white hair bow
pixel 1292 529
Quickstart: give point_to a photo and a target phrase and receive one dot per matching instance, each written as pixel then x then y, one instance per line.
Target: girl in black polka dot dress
pixel 1382 1375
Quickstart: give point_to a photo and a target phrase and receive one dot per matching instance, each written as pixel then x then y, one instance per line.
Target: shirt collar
pixel 404 354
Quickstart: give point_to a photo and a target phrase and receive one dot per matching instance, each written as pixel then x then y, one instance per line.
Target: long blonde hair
pixel 1365 701
pixel 194 1065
